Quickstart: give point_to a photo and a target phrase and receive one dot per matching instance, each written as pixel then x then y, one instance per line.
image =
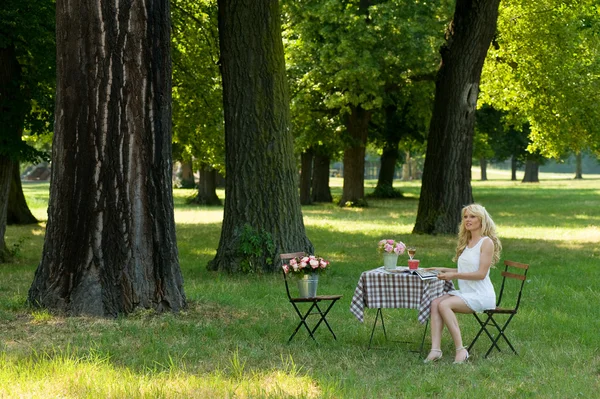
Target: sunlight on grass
pixel 57 374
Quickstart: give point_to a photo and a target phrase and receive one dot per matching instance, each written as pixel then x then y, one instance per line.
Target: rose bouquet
pixel 306 264
pixel 391 246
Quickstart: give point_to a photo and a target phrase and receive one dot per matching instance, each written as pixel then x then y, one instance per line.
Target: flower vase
pixel 390 260
pixel 307 285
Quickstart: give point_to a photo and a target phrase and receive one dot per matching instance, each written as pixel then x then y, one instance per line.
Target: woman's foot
pixel 461 355
pixel 434 355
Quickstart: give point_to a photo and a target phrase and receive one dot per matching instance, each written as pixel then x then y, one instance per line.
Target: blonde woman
pixel 477 250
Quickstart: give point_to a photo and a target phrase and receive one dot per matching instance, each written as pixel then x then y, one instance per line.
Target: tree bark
pixel 12 106
pixel 262 176
pixel 357 124
pixel 6 165
pixel 513 168
pixel 207 187
pixel 578 168
pixel 306 175
pixel 483 166
pixel 531 172
pixel 446 186
pixel 18 212
pixel 389 156
pixel 187 175
pixel 110 245
pixel 320 181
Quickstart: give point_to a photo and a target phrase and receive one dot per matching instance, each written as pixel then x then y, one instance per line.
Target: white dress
pixel 479 295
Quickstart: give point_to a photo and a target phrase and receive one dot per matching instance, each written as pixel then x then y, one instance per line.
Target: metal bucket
pixel 307 285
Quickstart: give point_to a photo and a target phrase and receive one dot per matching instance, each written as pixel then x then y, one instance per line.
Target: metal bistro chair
pixel 518 279
pixel 314 308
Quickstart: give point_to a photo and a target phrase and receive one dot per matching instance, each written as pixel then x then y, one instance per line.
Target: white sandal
pixel 466 357
pixel 433 359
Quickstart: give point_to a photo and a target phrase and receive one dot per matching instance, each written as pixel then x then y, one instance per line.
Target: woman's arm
pixel 485 262
pixel 441 269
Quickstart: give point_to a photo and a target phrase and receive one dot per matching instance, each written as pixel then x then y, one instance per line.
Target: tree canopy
pixel 544 69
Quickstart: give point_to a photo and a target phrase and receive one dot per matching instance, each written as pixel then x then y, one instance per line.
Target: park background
pixel 394 79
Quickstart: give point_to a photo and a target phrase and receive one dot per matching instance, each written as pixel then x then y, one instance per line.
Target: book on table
pixel 425 274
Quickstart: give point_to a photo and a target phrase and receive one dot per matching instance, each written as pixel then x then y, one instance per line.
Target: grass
pixel 232 339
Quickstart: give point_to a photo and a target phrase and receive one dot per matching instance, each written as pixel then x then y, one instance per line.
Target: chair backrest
pixel 518 273
pixel 284 258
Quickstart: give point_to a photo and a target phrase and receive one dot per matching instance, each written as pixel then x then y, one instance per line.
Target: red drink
pixel 413 264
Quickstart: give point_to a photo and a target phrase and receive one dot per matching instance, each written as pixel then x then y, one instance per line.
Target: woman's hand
pixel 446 275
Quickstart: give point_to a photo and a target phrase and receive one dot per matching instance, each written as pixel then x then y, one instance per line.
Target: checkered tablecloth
pixel 379 288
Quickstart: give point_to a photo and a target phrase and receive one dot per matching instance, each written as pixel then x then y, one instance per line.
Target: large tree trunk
pixel 18 212
pixel 446 184
pixel 110 243
pixel 320 181
pixel 513 168
pixel 578 168
pixel 483 165
pixel 12 107
pixel 306 175
pixel 262 177
pixel 207 187
pixel 357 124
pixel 531 172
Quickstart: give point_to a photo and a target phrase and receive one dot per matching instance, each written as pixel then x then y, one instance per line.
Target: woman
pixel 477 250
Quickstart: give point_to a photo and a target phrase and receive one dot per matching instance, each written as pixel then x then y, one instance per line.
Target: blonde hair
pixel 488 229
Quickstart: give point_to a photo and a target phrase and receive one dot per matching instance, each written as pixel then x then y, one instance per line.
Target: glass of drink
pixel 411 252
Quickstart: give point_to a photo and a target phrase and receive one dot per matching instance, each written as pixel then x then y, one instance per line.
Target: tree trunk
pixel 320 181
pixel 483 166
pixel 578 168
pixel 531 172
pixel 306 174
pixel 262 177
pixel 207 187
pixel 187 175
pixel 446 186
pixel 513 168
pixel 110 244
pixel 389 156
pixel 357 124
pixel 6 165
pixel 18 212
pixel 12 106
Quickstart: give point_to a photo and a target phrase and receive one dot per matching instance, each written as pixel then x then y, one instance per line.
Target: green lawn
pixel 232 339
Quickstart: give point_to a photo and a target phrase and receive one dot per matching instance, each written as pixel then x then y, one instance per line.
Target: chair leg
pixel 501 334
pixel 481 330
pixel 303 321
pixel 379 313
pixel 324 319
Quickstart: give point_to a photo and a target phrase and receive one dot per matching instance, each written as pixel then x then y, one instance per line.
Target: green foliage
pixel 545 70
pixel 29 26
pixel 353 53
pixel 256 248
pixel 198 128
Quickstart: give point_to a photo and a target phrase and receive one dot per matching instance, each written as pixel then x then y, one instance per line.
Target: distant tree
pixel 26 94
pixel 110 243
pixel 353 53
pixel 262 205
pixel 197 95
pixel 446 186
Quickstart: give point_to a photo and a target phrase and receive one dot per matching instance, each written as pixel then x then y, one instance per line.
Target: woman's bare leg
pixel 447 309
pixel 437 326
